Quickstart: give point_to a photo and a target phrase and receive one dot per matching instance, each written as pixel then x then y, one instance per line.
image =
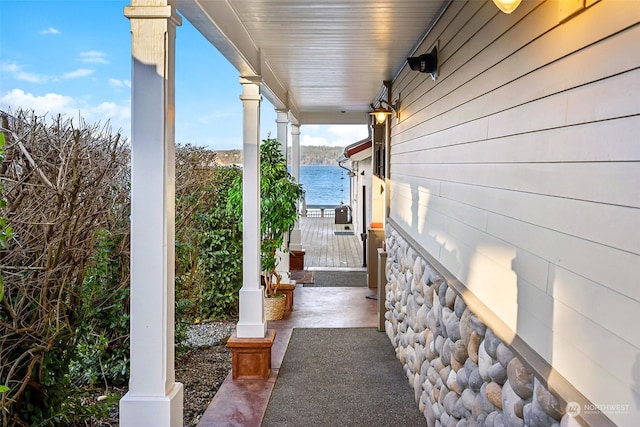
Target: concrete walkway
pixel 244 403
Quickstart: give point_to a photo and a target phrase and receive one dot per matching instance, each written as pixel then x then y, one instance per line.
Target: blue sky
pixel 73 57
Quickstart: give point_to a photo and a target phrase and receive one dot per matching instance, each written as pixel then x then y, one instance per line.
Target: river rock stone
pixel 490 421
pixel 534 416
pixel 494 394
pixel 439 342
pixel 449 404
pixel 509 402
pixel 474 346
pixel 444 374
pixel 479 327
pixel 462 378
pixel 504 355
pixel 547 401
pixel 466 328
pixel 499 421
pixel 455 365
pixel 487 405
pixel 450 298
pixel 459 351
pixel 484 363
pixel 520 379
pixel 444 315
pixel 452 382
pixel 442 292
pixel 446 352
pixel 498 373
pixel 437 410
pixel 468 397
pixel 444 418
pixel 460 409
pixel 491 343
pixel 459 306
pixel 430 416
pixel 475 380
pixel 432 375
pixel 453 327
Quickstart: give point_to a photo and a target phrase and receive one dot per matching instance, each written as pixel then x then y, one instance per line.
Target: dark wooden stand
pixel 251 357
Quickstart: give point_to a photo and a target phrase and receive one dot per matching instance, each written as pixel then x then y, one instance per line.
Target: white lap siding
pixel 518 170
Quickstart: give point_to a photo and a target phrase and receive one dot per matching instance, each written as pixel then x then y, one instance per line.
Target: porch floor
pixel 244 403
pixel 326 250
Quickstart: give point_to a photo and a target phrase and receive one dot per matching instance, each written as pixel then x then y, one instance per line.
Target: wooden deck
pixel 327 250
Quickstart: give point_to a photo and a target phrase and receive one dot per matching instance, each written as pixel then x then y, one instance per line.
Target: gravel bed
pixel 201 370
pixel 209 333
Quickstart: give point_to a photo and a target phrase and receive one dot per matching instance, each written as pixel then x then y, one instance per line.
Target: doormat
pixel 341 377
pixel 343 233
pixel 326 279
pixel 302 276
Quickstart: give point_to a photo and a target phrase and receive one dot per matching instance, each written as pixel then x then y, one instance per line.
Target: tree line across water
pixel 309 155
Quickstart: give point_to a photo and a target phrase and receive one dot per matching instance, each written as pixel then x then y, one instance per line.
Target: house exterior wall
pixel 357 181
pixel 518 170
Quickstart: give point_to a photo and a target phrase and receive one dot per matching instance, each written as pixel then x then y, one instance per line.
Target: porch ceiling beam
pixel 228 34
pixel 334 118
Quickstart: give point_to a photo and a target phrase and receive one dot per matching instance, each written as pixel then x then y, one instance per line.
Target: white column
pixel 154 398
pixel 282 121
pixel 251 323
pixel 296 235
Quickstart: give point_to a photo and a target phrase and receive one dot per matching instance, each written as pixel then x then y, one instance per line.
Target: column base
pixel 251 357
pixel 161 411
pixel 296 260
pixel 287 289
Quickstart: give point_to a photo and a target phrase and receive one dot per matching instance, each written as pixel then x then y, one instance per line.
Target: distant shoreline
pixel 310 155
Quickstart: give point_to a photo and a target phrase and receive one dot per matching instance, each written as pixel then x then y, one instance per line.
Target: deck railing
pixel 319 211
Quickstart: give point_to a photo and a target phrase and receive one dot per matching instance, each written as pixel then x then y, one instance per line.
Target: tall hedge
pixel 64 258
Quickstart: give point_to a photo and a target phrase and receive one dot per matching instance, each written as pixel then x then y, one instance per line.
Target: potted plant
pixel 279 194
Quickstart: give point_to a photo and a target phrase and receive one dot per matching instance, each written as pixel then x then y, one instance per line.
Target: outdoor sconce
pixel 426 63
pixel 507 6
pixel 380 114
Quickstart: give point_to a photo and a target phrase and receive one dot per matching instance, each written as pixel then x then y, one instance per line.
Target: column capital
pixel 282 115
pixel 250 80
pixel 153 12
pixel 295 129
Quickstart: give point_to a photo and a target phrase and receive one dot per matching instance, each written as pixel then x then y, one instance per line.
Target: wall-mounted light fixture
pixel 380 114
pixel 507 6
pixel 426 63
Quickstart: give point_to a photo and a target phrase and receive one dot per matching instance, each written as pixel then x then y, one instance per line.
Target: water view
pixel 325 185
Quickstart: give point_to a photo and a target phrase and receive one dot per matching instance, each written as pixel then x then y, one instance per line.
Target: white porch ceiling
pixel 325 60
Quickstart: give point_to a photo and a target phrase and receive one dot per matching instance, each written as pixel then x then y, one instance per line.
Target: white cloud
pixel 52 104
pixel 17 73
pixel 94 57
pixel 49 103
pixel 49 31
pixel 333 135
pixel 81 72
pixel 117 84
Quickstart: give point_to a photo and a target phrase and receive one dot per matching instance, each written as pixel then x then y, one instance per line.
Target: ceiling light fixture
pixel 507 6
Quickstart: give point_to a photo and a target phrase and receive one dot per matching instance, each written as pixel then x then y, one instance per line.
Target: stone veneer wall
pixel 461 373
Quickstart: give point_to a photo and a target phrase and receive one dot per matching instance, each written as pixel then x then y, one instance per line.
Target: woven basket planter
pixel 274 307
